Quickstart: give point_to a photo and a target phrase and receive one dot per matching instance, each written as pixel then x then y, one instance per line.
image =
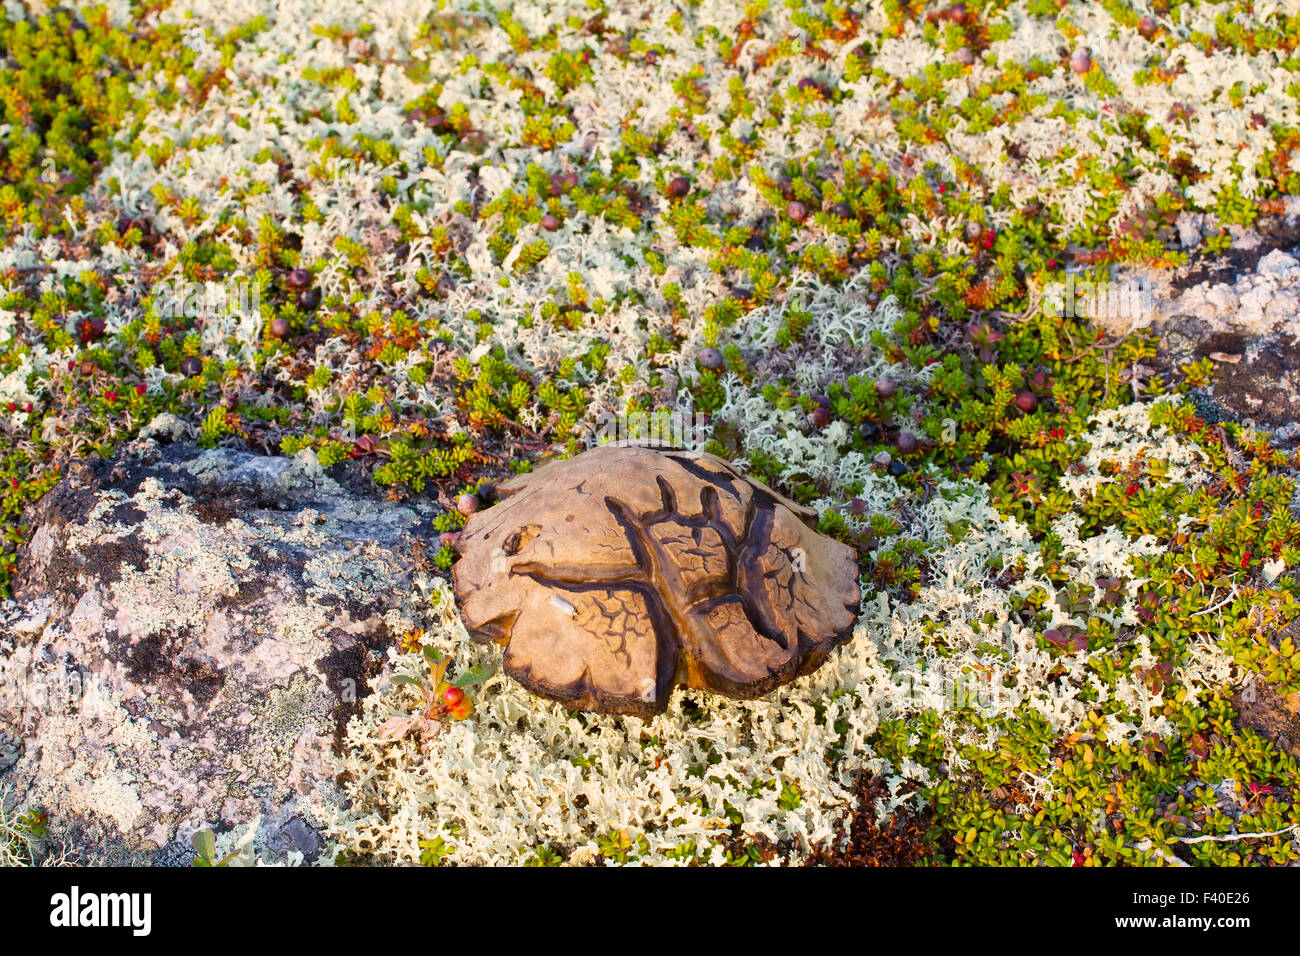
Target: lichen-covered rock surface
pixel 191 631
pixel 1238 311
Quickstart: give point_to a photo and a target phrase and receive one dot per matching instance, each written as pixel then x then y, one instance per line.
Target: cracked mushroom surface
pixel 616 575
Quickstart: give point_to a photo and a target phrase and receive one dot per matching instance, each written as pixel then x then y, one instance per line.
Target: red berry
pixel 139 389
pixel 942 188
pixel 1051 263
pixel 14 482
pixel 110 396
pixel 453 697
pixel 1132 489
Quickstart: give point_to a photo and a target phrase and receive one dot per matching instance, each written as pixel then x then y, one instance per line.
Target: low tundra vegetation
pixel 461 231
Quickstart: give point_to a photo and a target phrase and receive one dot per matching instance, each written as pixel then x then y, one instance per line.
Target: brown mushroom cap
pixel 615 575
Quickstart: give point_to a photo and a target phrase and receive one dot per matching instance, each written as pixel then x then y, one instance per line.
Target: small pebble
pixel 467 504
pixel 821 416
pixel 191 366
pixel 309 299
pixel 842 210
pixel 797 211
pixel 1147 27
pixel 1080 61
pixel 957 13
pixel 679 187
pixel 906 442
pixel 298 279
pixel 550 222
pixel 280 327
pixel 964 56
pixel 886 387
pixel 898 468
pixel 1026 401
pixel 869 431
pixel 974 230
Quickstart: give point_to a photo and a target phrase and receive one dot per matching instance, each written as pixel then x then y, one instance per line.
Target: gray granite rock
pixel 191 631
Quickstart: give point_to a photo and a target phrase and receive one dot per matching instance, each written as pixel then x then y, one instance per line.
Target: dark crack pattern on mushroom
pixel 615 576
